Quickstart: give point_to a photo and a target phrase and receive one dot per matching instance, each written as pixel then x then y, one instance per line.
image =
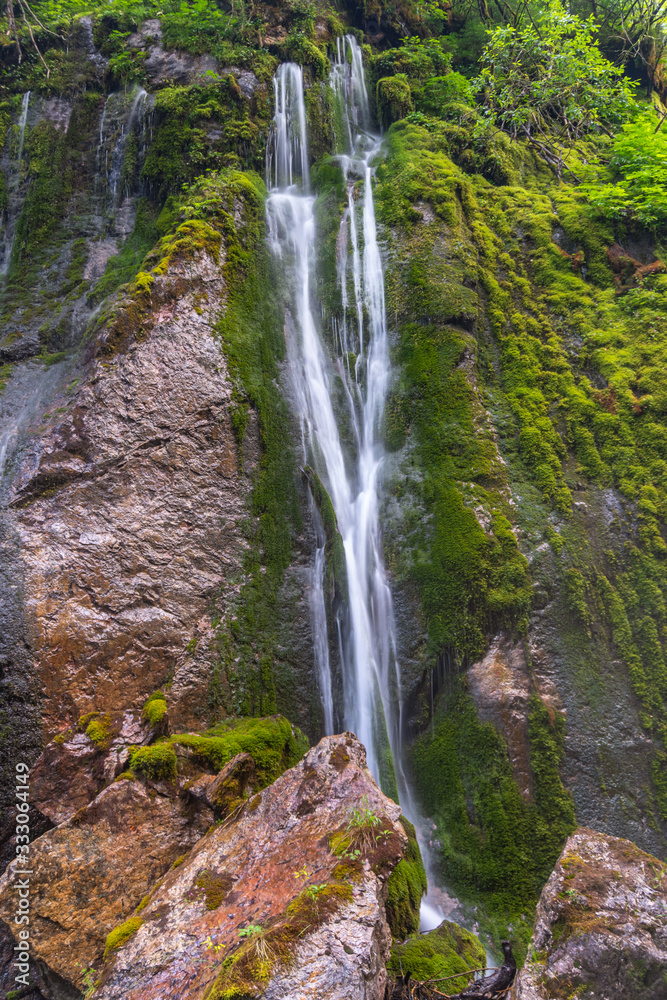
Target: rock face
pixel 93 870
pixel 119 565
pixel 601 926
pixel 317 918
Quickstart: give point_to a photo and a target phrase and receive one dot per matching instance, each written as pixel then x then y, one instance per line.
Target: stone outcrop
pixel 119 565
pixel 316 917
pixel 601 925
pixel 91 872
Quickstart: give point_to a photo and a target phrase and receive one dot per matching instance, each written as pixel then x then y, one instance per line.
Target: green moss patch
pixel 157 762
pixel 496 846
pixel 155 709
pixel 119 935
pixel 406 886
pixel 440 953
pixel 273 743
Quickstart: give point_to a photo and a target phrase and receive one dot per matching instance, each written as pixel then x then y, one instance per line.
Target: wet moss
pixel 496 846
pixel 439 954
pixel 405 887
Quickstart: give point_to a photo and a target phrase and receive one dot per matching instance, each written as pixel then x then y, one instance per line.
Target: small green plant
pixel 89 979
pixel 250 930
pixel 361 827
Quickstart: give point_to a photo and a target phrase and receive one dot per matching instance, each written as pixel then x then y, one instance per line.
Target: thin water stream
pixel 365 626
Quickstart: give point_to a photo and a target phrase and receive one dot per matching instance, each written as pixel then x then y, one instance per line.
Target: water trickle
pixel 14 189
pixel 122 146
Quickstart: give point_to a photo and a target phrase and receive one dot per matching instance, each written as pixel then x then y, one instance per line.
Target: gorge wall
pixel 159 531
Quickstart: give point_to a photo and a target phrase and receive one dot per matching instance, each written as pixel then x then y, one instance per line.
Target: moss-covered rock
pixel 273 743
pixel 405 888
pixel 439 954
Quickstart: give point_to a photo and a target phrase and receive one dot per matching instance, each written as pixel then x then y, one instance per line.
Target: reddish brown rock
pixel 73 769
pixel 119 563
pixel 271 866
pixel 236 779
pixel 91 872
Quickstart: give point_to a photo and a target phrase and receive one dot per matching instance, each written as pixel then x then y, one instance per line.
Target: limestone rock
pixel 266 867
pixel 601 925
pixel 91 872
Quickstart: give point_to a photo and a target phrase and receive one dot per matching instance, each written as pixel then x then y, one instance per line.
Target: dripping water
pixel 14 185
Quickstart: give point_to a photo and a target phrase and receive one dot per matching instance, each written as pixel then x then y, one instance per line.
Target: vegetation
pixel 440 953
pixel 119 935
pixel 274 744
pixel 523 204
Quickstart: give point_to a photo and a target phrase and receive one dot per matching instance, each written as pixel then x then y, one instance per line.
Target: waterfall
pixel 123 121
pixel 15 177
pixel 371 677
pixel 364 625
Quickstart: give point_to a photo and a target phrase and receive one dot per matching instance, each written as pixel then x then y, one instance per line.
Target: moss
pixel 119 935
pixel 495 845
pixel 155 709
pixel 99 729
pixel 394 99
pixel 245 971
pixel 440 953
pixel 273 743
pixel 156 762
pixel 210 887
pixel 406 886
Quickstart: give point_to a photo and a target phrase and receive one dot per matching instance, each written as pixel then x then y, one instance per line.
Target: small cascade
pixel 123 143
pixel 287 150
pixel 15 189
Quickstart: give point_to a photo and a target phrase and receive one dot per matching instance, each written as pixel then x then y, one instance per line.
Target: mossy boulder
pixel 440 953
pixel 273 744
pixel 394 99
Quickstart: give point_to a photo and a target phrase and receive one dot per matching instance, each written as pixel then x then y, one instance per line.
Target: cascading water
pixel 14 184
pixel 365 622
pixel 370 672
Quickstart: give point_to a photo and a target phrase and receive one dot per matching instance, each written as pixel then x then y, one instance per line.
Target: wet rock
pixel 91 872
pixel 226 791
pixel 323 927
pixel 601 925
pixel 73 769
pixel 136 499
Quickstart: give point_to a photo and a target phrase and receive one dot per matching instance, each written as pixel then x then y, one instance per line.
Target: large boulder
pixel 93 870
pixel 601 925
pixel 285 899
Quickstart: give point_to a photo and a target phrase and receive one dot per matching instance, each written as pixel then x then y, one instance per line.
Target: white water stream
pixel 365 625
pixel 13 185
